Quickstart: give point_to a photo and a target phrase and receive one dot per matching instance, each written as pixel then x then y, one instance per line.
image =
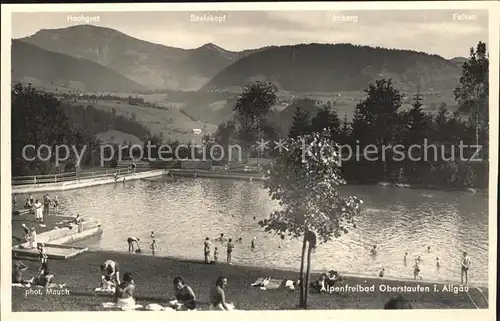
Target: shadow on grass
pixel 139 299
pixel 194 262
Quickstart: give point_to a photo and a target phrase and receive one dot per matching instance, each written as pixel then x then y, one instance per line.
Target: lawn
pixel 153 277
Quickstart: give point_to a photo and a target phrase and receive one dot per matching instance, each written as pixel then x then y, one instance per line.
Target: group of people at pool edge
pixel 185 298
pixel 464 266
pixel 208 255
pixel 134 247
pixel 36 207
pixel 207 248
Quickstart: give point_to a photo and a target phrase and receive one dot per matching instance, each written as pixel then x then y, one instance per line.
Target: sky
pixel 432 31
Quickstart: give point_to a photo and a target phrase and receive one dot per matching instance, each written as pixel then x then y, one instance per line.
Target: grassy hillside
pixel 117 137
pixel 39 66
pixel 170 122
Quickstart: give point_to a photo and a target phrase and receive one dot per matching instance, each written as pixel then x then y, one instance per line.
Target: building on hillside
pixel 196 131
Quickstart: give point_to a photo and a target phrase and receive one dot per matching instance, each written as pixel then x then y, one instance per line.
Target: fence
pixel 66 177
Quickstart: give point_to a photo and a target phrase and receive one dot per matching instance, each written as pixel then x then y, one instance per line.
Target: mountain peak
pixel 78 28
pixel 212 46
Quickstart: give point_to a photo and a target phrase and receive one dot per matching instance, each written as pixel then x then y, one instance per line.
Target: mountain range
pixel 152 65
pixel 339 67
pixel 197 88
pixel 297 68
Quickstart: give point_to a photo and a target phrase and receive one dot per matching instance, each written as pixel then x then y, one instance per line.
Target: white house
pixel 196 131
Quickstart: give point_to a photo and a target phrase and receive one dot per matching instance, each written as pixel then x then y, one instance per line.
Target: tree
pixel 326 117
pixel 442 115
pixel 376 117
pixel 345 131
pixel 416 124
pixel 251 108
pixel 303 179
pixel 38 118
pixel 415 129
pixel 223 136
pixel 376 122
pixel 473 92
pixel 300 123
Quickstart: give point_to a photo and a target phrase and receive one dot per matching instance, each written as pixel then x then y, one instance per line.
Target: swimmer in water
pixel 416 271
pixel 240 240
pixel 221 237
pixel 252 246
pixel 374 250
pixel 418 259
pixel 381 273
pixel 206 249
pixel 216 255
pixel 230 247
pixel 437 263
pixel 466 263
pixel 152 235
pixel 429 249
pixel 153 247
pixel 406 255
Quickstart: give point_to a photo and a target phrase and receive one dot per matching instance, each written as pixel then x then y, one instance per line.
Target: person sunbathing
pixel 185 298
pixel 292 285
pixel 26 237
pixel 217 296
pixel 332 277
pixel 17 273
pixel 320 284
pixel 124 293
pixel 261 284
pixel 107 284
pixel 44 279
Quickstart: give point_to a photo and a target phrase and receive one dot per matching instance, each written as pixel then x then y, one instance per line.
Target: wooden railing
pixel 66 177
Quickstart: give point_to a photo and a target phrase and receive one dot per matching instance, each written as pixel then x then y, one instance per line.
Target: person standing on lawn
pixel 153 247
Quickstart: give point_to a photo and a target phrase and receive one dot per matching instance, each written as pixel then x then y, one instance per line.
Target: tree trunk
pixel 308 273
pixel 301 278
pixel 477 130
